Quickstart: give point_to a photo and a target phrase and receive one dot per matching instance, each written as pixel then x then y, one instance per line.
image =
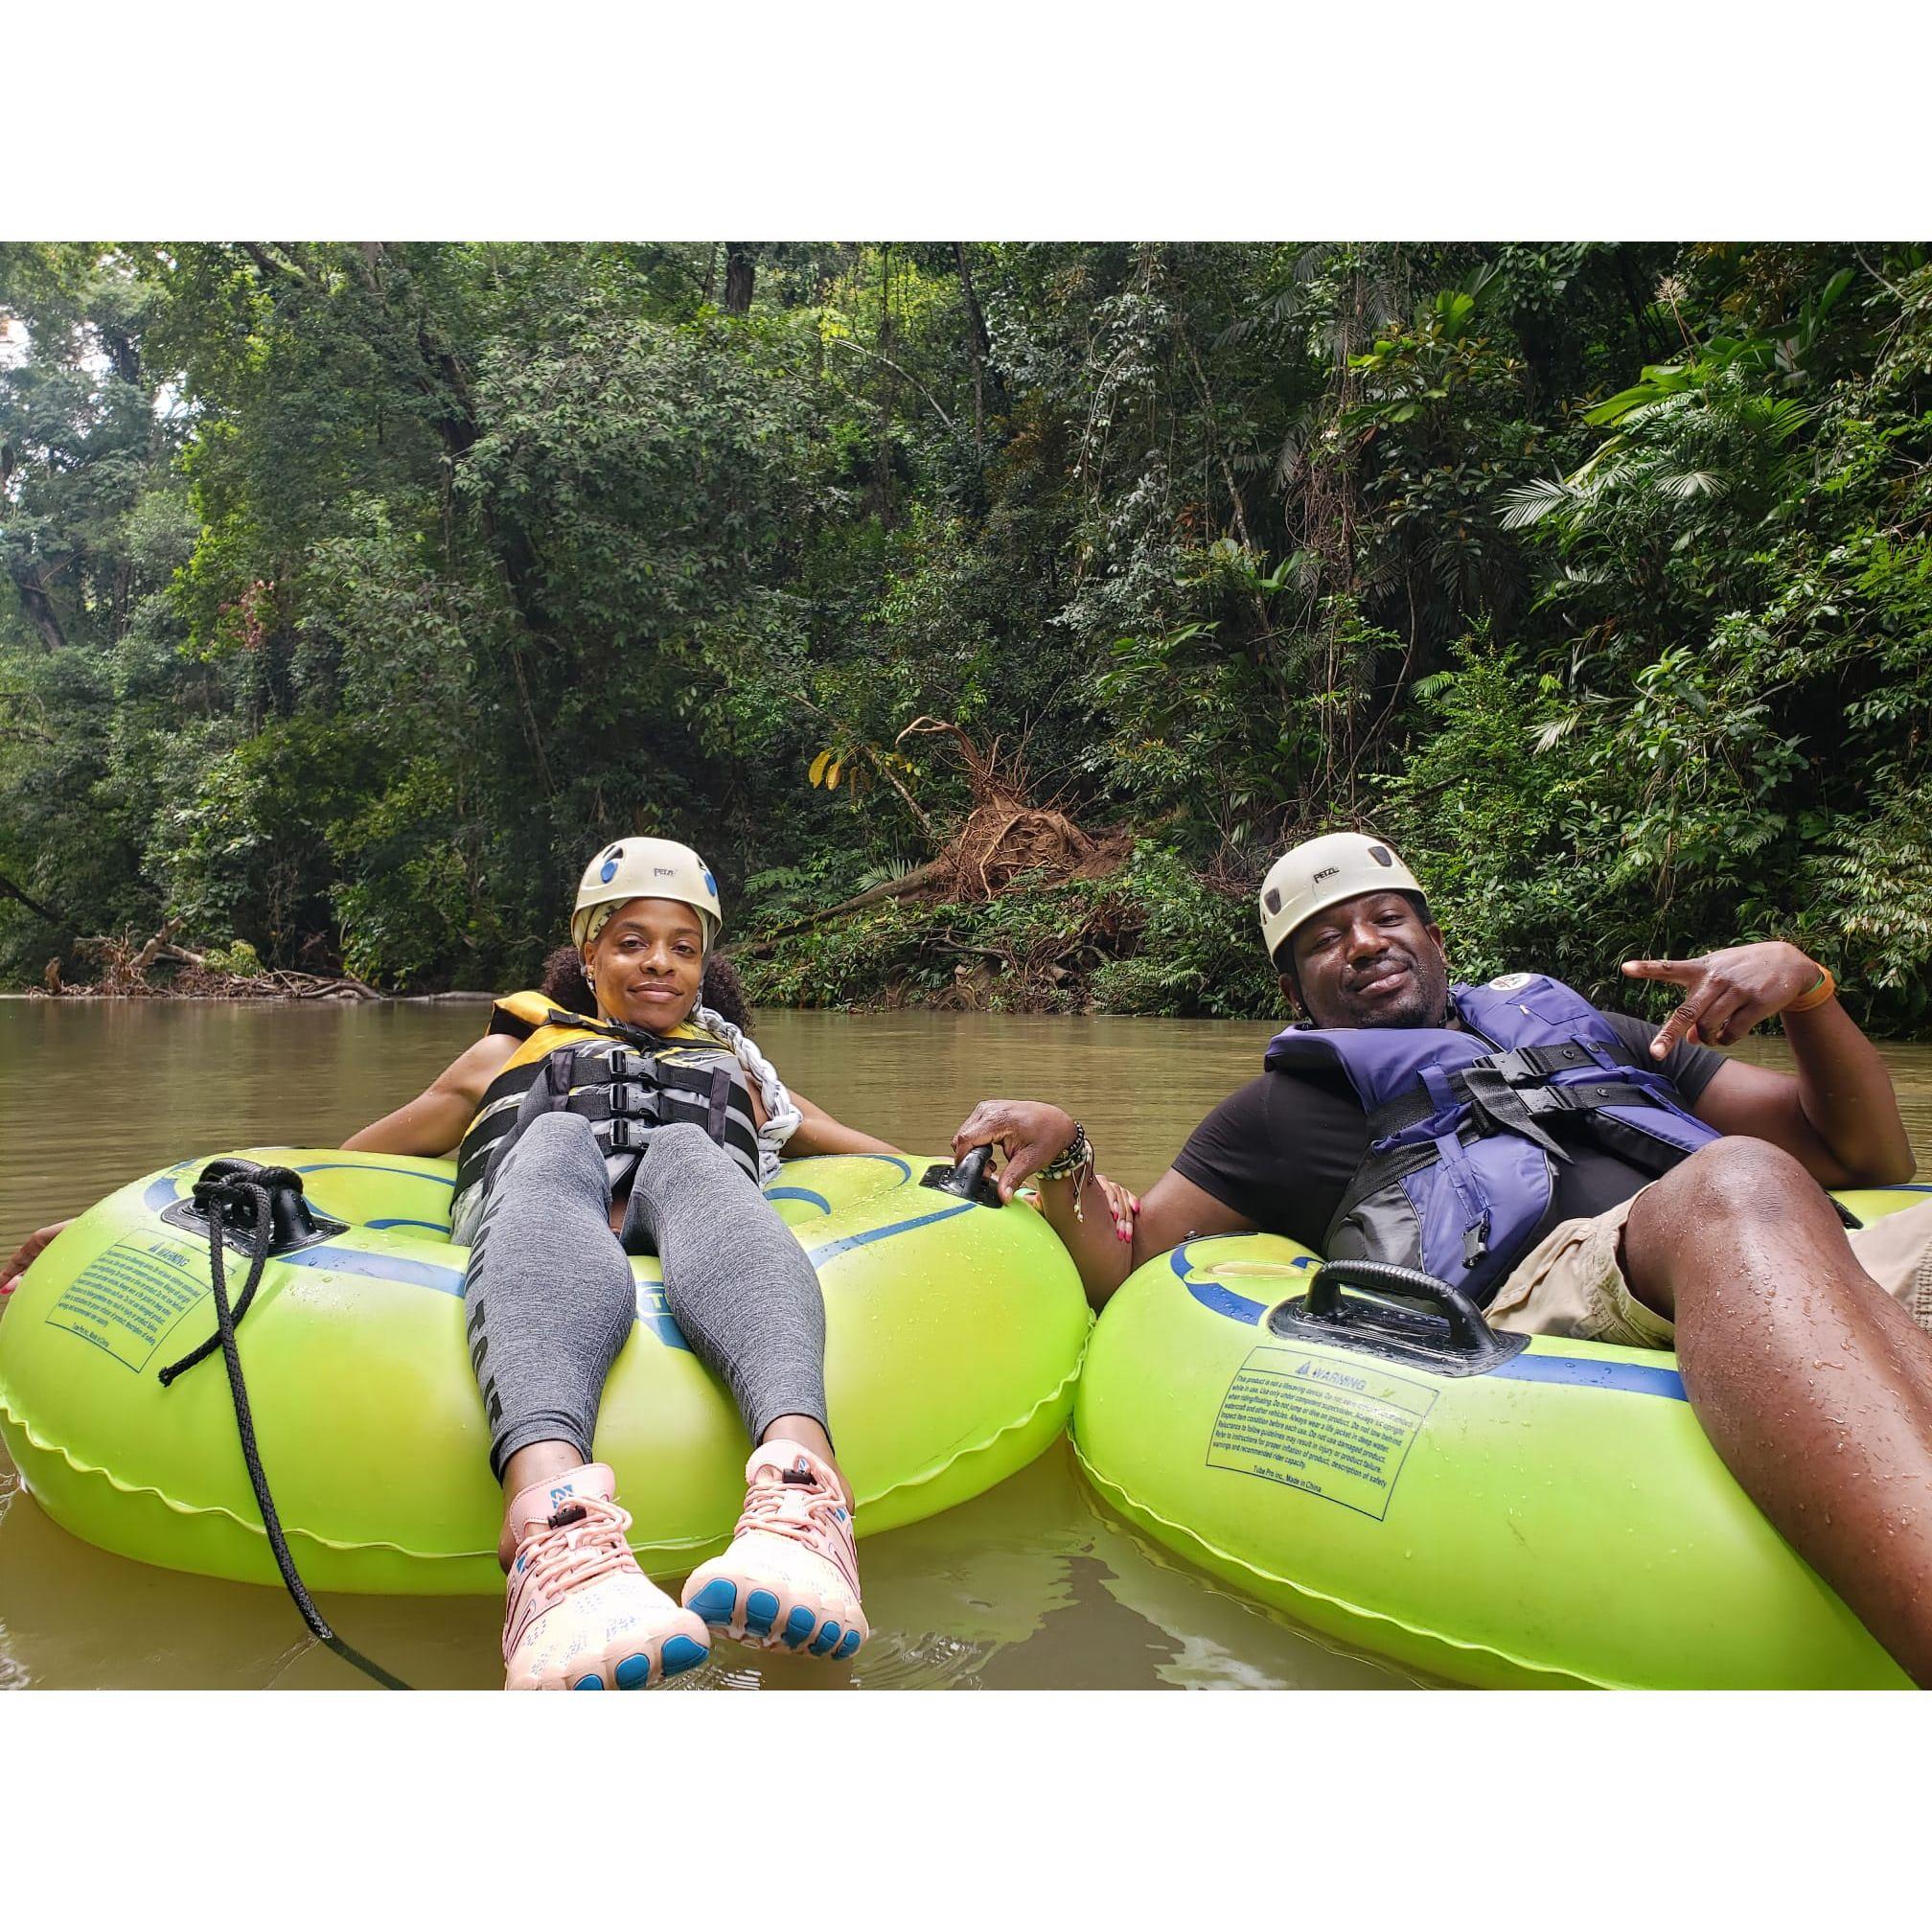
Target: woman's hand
pixel 1122 1204
pixel 26 1254
pixel 1029 1133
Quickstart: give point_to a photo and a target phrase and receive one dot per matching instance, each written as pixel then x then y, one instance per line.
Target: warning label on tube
pixel 124 1301
pixel 1338 1431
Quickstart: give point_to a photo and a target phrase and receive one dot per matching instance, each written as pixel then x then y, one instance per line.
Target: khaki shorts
pixel 1572 1282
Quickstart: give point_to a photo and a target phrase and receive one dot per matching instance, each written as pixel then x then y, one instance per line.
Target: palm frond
pixel 1689 483
pixel 1530 502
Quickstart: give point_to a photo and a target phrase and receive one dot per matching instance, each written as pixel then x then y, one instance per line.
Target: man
pixel 1583 1174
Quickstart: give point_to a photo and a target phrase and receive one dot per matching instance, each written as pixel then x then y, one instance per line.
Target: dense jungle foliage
pixel 355 592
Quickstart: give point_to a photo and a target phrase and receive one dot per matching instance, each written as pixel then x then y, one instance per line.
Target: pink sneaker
pixel 789 1579
pixel 579 1614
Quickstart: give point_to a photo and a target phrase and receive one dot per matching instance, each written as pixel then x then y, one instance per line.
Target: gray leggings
pixel 551 1297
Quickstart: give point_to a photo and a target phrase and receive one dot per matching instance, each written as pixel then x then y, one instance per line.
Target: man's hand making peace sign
pixel 1835 1111
pixel 1730 992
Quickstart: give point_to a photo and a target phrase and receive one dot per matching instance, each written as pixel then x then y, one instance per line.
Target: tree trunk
pixel 881 456
pixel 738 278
pixel 978 349
pixel 1640 326
pixel 40 609
pixel 437 371
pixel 125 355
pixel 47 912
pixel 153 950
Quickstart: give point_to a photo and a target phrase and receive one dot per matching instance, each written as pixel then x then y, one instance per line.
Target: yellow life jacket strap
pixel 543 1026
pixel 520 1013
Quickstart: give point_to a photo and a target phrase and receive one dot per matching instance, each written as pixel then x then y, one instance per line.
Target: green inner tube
pixel 1554 1518
pixel 954 1336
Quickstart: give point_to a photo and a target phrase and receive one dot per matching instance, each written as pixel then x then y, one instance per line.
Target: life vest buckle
pixel 631 1098
pixel 1475 1241
pixel 1537 1100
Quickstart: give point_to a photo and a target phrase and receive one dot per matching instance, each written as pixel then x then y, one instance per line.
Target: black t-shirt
pixel 1281 1150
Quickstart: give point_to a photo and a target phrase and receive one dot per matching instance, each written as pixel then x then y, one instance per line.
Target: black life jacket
pixel 625 1081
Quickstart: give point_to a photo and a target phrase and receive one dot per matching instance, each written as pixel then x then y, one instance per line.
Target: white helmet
pixel 647 869
pixel 1322 872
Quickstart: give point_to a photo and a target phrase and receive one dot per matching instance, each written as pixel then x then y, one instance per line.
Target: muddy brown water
pixel 1034 1585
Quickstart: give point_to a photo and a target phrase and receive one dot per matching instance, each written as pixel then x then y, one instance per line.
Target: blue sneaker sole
pixel 758 1625
pixel 636 1672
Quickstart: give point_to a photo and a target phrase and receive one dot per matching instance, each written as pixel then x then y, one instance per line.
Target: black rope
pixel 210 1193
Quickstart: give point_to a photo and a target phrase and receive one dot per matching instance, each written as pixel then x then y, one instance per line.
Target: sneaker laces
pixel 803 1512
pixel 583 1541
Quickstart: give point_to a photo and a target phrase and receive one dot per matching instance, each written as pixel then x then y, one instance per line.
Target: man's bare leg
pixel 1813 1385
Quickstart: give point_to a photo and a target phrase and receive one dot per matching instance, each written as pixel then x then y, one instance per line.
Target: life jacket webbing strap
pixel 642 1090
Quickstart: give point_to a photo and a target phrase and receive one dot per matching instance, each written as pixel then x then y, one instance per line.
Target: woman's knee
pixel 681 1151
pixel 556 1151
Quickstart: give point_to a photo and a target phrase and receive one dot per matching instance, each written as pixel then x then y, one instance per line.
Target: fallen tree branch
pixel 152 951
pixel 998 954
pixel 892 888
pixel 885 771
pixel 13 891
pixel 346 988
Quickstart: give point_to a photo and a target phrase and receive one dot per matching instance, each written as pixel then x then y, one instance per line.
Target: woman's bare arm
pixel 433 1122
pixel 820 1134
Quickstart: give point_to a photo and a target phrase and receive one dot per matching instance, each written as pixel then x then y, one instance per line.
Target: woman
pixel 582 1137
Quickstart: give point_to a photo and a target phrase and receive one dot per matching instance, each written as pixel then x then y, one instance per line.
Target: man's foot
pixel 580 1615
pixel 790 1581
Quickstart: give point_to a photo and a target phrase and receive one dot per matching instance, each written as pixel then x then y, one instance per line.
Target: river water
pixel 1034 1585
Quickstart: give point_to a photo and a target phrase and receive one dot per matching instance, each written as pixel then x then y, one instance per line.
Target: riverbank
pixel 1148 938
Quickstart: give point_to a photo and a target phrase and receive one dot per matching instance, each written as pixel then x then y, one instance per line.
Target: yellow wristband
pixel 1826 988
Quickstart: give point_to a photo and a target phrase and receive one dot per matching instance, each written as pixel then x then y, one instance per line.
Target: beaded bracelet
pixel 1075 1159
pixel 1824 989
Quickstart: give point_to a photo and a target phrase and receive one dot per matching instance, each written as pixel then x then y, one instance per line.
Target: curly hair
pixel 563 983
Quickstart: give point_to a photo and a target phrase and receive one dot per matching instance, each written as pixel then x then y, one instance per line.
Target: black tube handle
pixel 971 1179
pixel 292 1222
pixel 1467 1329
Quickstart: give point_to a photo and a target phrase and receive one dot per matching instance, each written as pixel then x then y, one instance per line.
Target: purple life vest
pixel 1464 1127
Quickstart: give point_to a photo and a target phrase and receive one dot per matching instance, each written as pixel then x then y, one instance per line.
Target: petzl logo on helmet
pixel 610 859
pixel 1327 872
pixel 1381 854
